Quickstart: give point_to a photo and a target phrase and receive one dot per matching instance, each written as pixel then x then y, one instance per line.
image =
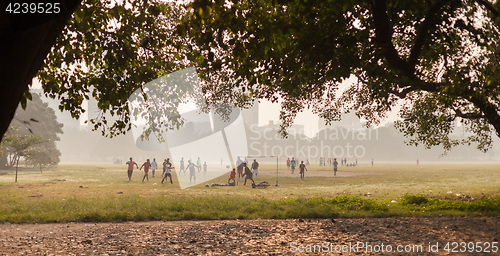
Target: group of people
pixel 167 169
pixel 290 164
pixel 192 167
pixel 244 171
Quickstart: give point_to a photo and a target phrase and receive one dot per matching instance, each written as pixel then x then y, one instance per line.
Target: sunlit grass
pixel 101 192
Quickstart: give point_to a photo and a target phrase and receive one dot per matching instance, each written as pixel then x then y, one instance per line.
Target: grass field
pixel 101 192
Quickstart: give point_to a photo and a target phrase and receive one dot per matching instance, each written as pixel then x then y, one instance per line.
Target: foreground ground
pixel 411 236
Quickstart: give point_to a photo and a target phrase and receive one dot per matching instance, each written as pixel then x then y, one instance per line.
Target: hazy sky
pixel 270 111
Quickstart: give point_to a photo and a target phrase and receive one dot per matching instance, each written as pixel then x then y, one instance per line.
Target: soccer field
pixel 104 191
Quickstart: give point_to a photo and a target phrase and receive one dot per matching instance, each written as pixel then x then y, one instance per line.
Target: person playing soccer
pixel 247 174
pixel 302 168
pixel 192 171
pixel 154 164
pixel 239 166
pixel 167 170
pixel 232 176
pixel 146 166
pixel 130 169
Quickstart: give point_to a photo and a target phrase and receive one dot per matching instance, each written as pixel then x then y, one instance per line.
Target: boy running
pixel 248 174
pixel 146 166
pixel 232 176
pixel 130 169
pixel 168 172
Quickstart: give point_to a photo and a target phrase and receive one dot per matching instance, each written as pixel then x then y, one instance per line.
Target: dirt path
pixel 252 237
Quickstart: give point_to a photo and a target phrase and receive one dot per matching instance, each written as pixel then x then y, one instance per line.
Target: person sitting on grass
pixel 247 174
pixel 146 166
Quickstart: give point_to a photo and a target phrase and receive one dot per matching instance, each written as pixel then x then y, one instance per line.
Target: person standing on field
pixel 181 166
pixel 288 163
pixel 205 168
pixel 168 171
pixel 292 164
pixel 302 169
pixel 154 164
pixel 198 164
pixel 335 164
pixel 192 171
pixel 130 169
pixel 146 166
pixel 239 167
pixel 255 168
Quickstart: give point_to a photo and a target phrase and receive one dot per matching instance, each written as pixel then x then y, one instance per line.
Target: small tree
pixel 17 145
pixel 43 155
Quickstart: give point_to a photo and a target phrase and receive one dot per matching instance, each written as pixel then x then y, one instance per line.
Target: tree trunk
pixel 25 40
pixel 17 164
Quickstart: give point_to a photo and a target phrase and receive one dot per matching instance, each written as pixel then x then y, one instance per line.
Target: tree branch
pixel 423 32
pixel 489 7
pixel 383 37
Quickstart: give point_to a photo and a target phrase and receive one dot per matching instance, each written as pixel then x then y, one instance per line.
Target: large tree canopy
pixel 100 48
pixel 440 57
pixel 25 40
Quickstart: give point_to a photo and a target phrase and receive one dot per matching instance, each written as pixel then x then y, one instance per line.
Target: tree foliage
pixel 107 51
pixel 32 133
pixel 15 145
pixel 440 57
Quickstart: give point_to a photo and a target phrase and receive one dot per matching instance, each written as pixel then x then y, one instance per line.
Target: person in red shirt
pixel 130 169
pixel 146 166
pixel 232 176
